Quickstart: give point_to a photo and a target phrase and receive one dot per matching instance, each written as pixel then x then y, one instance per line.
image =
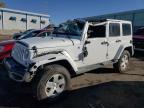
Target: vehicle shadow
pixel 103 71
pixel 112 71
pixel 113 94
pixel 117 94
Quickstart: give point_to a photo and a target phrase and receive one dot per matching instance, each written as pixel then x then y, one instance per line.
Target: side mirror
pixel 87 42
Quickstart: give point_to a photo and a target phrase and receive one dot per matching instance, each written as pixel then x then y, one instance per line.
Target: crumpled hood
pixel 47 42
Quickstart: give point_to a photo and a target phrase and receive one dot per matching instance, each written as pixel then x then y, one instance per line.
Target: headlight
pixel 26 54
pixel 2 48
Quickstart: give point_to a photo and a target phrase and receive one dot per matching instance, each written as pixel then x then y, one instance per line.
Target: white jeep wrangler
pixel 74 47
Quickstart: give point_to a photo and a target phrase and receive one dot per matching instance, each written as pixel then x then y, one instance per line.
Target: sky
pixel 62 10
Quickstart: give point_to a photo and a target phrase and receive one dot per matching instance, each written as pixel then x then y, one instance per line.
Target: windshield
pixel 70 28
pixel 21 34
pixel 27 31
pixel 30 34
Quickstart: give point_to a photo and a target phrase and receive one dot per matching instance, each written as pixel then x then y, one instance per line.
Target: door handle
pixel 118 41
pixel 104 43
pixel 87 42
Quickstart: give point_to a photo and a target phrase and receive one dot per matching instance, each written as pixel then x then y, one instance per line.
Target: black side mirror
pixel 87 42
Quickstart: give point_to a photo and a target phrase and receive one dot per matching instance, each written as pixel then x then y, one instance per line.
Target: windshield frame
pixel 72 29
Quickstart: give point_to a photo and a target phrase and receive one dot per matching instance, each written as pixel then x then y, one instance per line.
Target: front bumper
pixel 16 71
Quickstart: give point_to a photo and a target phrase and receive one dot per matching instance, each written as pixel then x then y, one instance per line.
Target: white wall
pixel 47 22
pixel 18 24
pixel 13 25
pixel 31 25
pixel 0 20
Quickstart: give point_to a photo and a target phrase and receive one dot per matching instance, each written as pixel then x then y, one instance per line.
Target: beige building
pixel 15 20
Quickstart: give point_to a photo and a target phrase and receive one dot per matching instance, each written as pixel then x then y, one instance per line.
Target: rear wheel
pixel 123 63
pixel 52 84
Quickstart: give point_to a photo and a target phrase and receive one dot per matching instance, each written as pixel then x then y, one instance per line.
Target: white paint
pixel 47 22
pixel 20 25
pixel 72 48
pixel 32 25
pixel 13 25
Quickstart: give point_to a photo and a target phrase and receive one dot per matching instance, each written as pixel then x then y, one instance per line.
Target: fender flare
pixel 120 51
pixel 51 58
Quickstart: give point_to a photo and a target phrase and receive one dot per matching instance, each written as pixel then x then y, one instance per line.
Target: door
pixel 96 45
pixel 114 39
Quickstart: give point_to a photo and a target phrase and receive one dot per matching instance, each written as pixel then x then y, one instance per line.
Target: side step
pixel 89 68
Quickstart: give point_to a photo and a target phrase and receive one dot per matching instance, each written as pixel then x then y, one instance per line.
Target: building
pixel 136 16
pixel 15 20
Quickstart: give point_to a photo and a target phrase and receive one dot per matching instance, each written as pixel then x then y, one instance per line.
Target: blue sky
pixel 61 10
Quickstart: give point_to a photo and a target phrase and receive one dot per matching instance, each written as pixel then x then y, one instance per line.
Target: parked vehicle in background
pixel 6 46
pixel 74 47
pixel 138 39
pixel 17 35
pixel 36 33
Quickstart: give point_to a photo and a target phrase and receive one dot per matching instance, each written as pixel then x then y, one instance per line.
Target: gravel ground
pixel 101 88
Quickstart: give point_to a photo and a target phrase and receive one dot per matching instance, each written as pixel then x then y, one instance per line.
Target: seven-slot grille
pixel 18 53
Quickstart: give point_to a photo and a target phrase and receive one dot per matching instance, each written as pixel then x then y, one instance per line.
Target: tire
pixel 123 63
pixel 52 83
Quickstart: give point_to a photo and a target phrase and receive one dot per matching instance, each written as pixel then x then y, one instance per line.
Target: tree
pixel 2 5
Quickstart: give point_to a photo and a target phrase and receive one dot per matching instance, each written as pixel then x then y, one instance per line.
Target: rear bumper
pixel 16 71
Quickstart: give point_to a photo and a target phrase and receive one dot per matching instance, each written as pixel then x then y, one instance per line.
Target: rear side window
pixel 114 29
pixel 126 29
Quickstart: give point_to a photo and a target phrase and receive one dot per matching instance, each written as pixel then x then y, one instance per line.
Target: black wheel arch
pixel 130 50
pixel 64 63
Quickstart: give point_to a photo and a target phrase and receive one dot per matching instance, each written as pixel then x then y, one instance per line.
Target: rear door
pixel 127 34
pixel 114 39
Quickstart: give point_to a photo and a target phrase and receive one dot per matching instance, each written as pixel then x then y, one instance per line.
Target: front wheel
pixel 123 63
pixel 52 84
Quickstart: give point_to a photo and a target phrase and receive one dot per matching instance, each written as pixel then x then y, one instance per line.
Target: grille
pixel 18 53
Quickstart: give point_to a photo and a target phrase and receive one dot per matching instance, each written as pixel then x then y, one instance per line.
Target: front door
pixel 97 45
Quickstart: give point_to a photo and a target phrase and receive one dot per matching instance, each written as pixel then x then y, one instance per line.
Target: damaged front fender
pixel 53 57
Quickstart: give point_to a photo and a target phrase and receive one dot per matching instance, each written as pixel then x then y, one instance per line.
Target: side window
pixel 114 29
pixel 126 29
pixel 97 31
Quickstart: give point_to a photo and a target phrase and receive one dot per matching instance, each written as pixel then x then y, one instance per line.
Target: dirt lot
pixel 101 88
